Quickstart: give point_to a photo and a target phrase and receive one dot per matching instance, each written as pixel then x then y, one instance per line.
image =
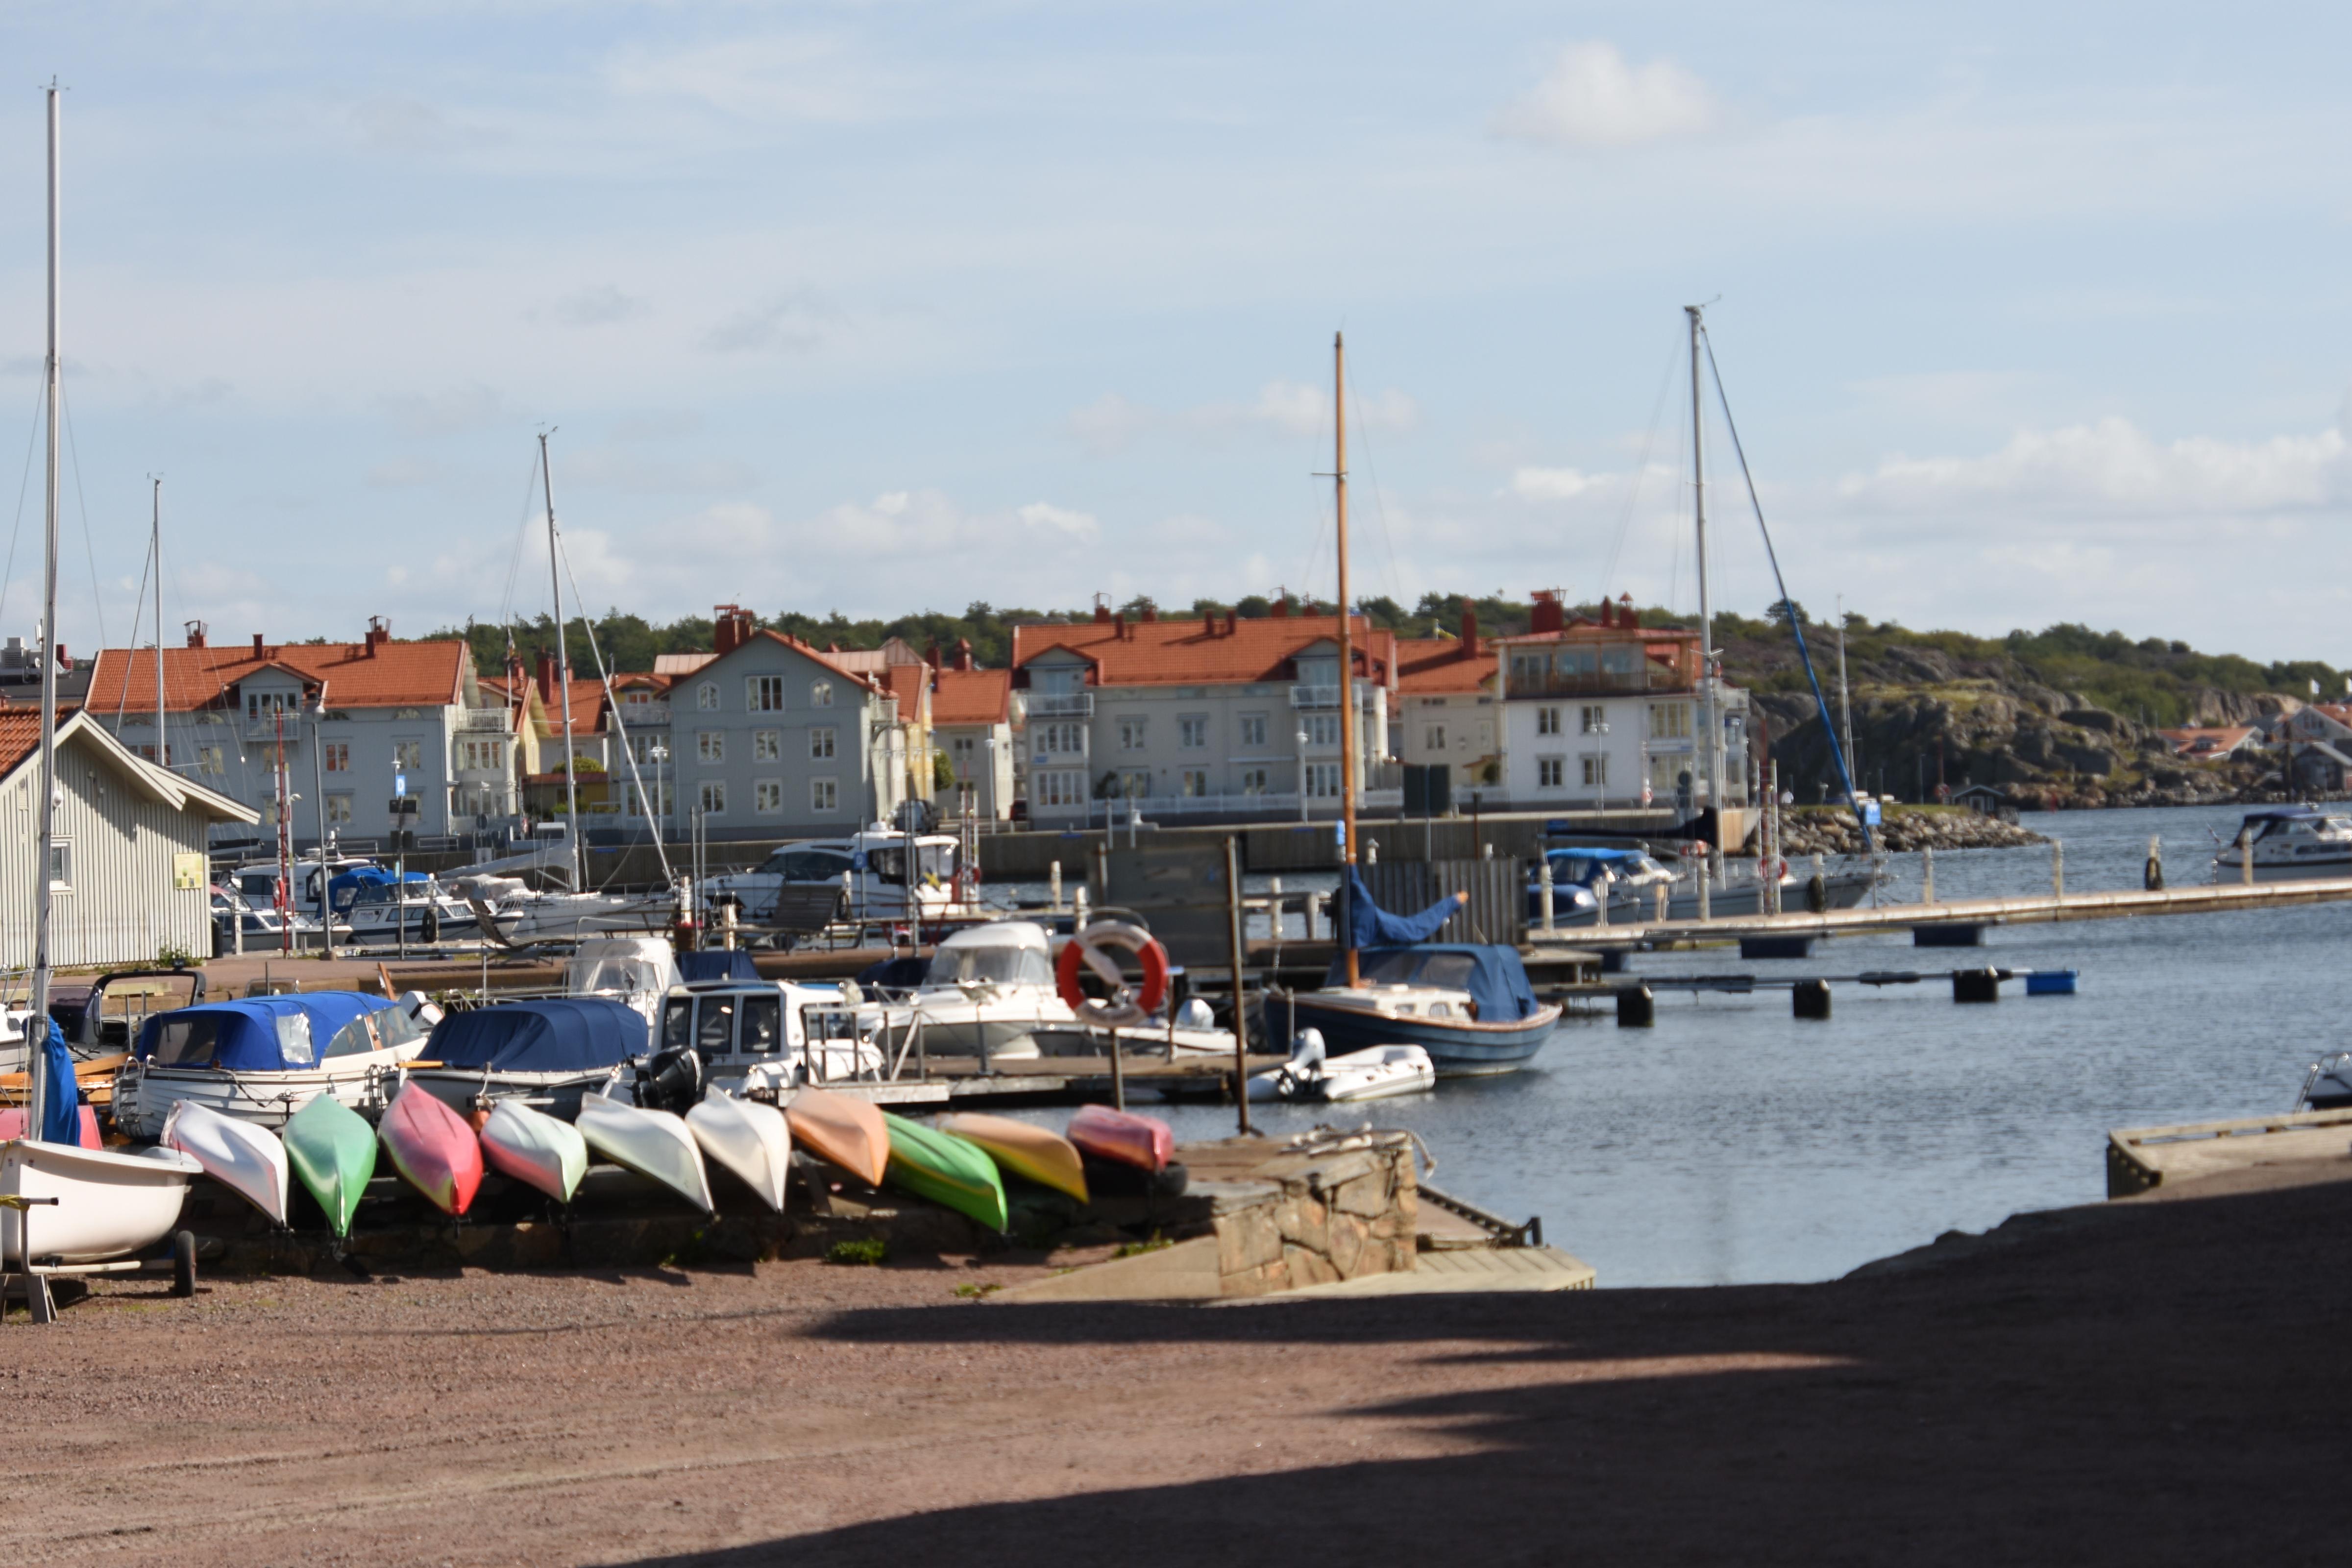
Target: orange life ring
pixel 1086 949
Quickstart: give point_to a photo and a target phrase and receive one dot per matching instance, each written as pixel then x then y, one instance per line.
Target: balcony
pixel 1306 697
pixel 1595 682
pixel 483 720
pixel 644 715
pixel 1061 705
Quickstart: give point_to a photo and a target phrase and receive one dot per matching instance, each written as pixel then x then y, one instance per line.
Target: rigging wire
pixel 1641 466
pixel 139 611
pixel 1796 623
pixel 81 500
pixel 514 562
pixel 612 710
pixel 7 575
pixel 1380 502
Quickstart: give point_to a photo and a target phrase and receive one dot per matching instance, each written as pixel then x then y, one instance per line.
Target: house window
pixel 1323 730
pixel 61 864
pixel 1432 738
pixel 706 696
pixel 764 693
pixel 1596 770
pixel 209 760
pixel 713 797
pixel 1192 782
pixel 1592 719
pixel 642 747
pixel 710 745
pixel 820 693
pixel 1060 787
pixel 337 755
pixel 1550 772
pixel 407 756
pixel 1134 783
pixel 825 794
pixel 1323 781
pixel 1253 781
pixel 768 796
pixel 821 742
pixel 338 811
pixel 1252 732
pixel 1670 720
pixel 1060 739
pixel 1547 721
pixel 481 756
pixel 1130 735
pixel 767 746
pixel 1192 731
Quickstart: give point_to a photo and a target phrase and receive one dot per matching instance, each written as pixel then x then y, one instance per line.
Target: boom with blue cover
pixel 1368 925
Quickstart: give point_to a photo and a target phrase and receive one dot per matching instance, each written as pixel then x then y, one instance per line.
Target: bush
pixel 865 1251
pixel 170 957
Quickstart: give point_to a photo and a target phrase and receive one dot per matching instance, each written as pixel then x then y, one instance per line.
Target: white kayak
pixel 246 1159
pixel 653 1143
pixel 535 1149
pixel 749 1138
pixel 1376 1073
pixel 109 1204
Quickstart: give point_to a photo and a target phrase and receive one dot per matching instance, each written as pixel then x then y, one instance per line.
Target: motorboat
pixel 534 1149
pixel 241 925
pixel 1469 1005
pixel 1379 1072
pixel 775 1035
pixel 547 1052
pixel 989 992
pixel 1632 881
pixel 637 970
pixel 261 1059
pixel 1023 1149
pixel 2327 1084
pixel 382 908
pixel 882 873
pixel 845 1131
pixel 2289 843
pixel 751 1139
pixel 433 1148
pixel 1122 1138
pixel 248 1161
pixel 656 1144
pixel 330 1149
pixel 947 1171
pixel 513 914
pixel 109 1204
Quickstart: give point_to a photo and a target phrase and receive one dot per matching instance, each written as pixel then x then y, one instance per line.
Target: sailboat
pixel 67 1208
pixel 1468 1006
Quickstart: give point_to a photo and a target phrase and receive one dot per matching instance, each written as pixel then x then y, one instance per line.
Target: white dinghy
pixel 656 1144
pixel 1377 1073
pixel 535 1149
pixel 107 1205
pixel 247 1160
pixel 749 1138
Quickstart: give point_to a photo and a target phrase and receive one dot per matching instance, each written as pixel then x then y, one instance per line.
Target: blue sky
pixel 2029 313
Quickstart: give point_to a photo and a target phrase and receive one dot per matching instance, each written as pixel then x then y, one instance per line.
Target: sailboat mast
pixel 563 671
pixel 1347 651
pixel 155 550
pixel 37 1065
pixel 1710 730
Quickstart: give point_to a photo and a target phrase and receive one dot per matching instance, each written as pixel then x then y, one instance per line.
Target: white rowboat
pixel 749 1138
pixel 109 1204
pixel 656 1144
pixel 535 1149
pixel 249 1160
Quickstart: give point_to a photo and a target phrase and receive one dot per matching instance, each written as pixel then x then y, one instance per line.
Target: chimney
pixel 379 633
pixel 196 634
pixel 1118 628
pixel 257 652
pixel 1469 630
pixel 1282 607
pixel 963 653
pixel 1605 610
pixel 732 628
pixel 1151 611
pixel 932 655
pixel 1102 614
pixel 1627 615
pixel 1547 617
pixel 65 659
pixel 546 678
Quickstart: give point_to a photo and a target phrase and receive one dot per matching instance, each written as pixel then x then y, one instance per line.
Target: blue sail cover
pixel 254 1034
pixel 61 1098
pixel 344 890
pixel 555 1034
pixel 1368 925
pixel 699 967
pixel 1492 973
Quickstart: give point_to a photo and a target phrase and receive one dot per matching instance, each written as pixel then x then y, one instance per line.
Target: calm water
pixel 1733 1143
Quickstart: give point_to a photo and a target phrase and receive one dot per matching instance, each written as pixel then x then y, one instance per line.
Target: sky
pixel 2025 313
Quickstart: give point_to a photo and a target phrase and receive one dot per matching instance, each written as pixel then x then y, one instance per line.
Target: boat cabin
pixel 737 1025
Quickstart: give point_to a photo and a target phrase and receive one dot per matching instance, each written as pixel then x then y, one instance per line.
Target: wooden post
pixel 1234 943
pixel 2058 869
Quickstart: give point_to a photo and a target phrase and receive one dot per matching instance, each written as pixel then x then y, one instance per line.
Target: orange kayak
pixel 1023 1149
pixel 847 1132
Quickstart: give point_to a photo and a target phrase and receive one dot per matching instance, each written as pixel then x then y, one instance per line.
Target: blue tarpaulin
pixel 1493 974
pixel 61 1103
pixel 1368 925
pixel 555 1034
pixel 254 1034
pixel 373 881
pixel 699 967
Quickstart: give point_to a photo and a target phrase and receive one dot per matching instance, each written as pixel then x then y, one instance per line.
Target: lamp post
pixel 1302 773
pixel 991 782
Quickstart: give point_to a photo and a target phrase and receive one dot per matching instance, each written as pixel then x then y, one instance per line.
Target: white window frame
pixel 61 865
pixel 822 743
pixel 1322 731
pixel 1252 732
pixel 339 808
pixel 335 756
pixel 706 696
pixel 767 797
pixel 1595 770
pixel 408 756
pixel 763 693
pixel 767 746
pixel 1551 773
pixel 820 693
pixel 1055 788
pixel 1134 733
pixel 1547 721
pixel 1432 738
pixel 712 797
pixel 1192 731
pixel 710 747
pixel 825 795
pixel 1193 783
pixel 1322 781
pixel 1592 719
pixel 1254 780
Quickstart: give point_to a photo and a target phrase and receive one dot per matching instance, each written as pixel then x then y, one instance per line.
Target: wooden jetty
pixel 2141 1158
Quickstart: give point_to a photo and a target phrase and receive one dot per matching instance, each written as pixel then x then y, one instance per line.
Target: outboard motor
pixel 1306 1050
pixel 670 1080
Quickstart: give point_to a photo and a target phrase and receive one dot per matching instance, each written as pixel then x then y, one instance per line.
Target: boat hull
pixel 1463 1048
pixel 1734 902
pixel 656 1144
pixel 1144 1142
pixel 946 1170
pixel 248 1161
pixel 1384 1072
pixel 556 1094
pixel 842 1131
pixel 145 1095
pixel 1023 1148
pixel 751 1139
pixel 330 1149
pixel 109 1204
pixel 535 1149
pixel 433 1148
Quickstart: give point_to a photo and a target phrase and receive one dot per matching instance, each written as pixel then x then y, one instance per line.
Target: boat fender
pixel 1195 1014
pixel 1817 893
pixel 429 928
pixel 1088 948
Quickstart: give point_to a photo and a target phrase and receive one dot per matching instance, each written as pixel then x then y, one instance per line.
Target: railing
pixel 1303 697
pixel 1061 704
pixel 634 714
pixel 1593 682
pixel 495 719
pixel 1269 806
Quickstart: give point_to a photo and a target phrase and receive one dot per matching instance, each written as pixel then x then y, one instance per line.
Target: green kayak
pixel 951 1171
pixel 333 1150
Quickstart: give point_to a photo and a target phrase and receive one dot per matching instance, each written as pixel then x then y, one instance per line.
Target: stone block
pixel 1365 1196
pixel 1350 1237
pixel 1246 1239
pixel 1308 1267
pixel 1338 1170
pixel 1302 1218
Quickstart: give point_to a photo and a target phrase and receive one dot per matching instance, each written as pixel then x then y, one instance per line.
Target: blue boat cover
pixel 555 1034
pixel 61 1096
pixel 344 890
pixel 1368 925
pixel 697 967
pixel 1493 974
pixel 254 1034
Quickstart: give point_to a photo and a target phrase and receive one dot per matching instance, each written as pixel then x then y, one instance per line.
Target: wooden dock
pixel 2141 1158
pixel 1060 1081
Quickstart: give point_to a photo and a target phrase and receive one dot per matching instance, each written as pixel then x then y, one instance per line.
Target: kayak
pixel 1025 1149
pixel 535 1149
pixel 1144 1143
pixel 946 1170
pixel 247 1160
pixel 433 1147
pixel 332 1149
pixel 846 1131
pixel 656 1144
pixel 749 1138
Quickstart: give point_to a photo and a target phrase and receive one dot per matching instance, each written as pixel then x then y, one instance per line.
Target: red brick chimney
pixel 257 650
pixel 932 655
pixel 1547 617
pixel 963 653
pixel 378 633
pixel 1605 610
pixel 1151 611
pixel 1282 607
pixel 1102 614
pixel 731 629
pixel 1469 630
pixel 196 634
pixel 1118 628
pixel 546 678
pixel 1627 615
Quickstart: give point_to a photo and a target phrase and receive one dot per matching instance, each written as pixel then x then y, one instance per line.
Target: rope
pixel 82 500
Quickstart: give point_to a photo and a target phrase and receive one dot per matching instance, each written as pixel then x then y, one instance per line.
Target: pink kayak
pixel 433 1147
pixel 1144 1143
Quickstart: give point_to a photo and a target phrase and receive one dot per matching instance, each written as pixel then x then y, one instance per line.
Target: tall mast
pixel 1710 730
pixel 155 550
pixel 38 1067
pixel 563 671
pixel 1347 650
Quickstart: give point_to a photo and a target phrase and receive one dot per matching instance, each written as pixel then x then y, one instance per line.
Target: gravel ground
pixel 2145 1383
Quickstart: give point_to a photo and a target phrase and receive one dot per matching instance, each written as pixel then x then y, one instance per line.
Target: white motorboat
pixel 882 874
pixel 776 1035
pixel 989 991
pixel 656 1144
pixel 1379 1072
pixel 109 1204
pixel 535 1149
pixel 749 1138
pixel 636 971
pixel 2289 843
pixel 248 1161
pixel 380 909
pixel 260 1059
pixel 513 915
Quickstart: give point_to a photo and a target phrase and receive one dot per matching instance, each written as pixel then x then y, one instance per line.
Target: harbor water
pixel 1733 1143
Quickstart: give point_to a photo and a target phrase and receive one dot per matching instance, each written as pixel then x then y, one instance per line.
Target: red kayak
pixel 1144 1143
pixel 433 1147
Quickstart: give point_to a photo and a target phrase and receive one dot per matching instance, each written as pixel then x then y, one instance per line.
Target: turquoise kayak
pixel 951 1171
pixel 332 1150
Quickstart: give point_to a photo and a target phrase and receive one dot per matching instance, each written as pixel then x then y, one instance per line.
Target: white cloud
pixel 1593 98
pixel 2114 469
pixel 1286 408
pixel 778 79
pixel 448 411
pixel 790 324
pixel 1549 484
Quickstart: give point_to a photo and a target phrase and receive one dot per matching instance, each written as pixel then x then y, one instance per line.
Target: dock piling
pixel 2151 876
pixel 1976 985
pixel 1809 999
pixel 1637 1007
pixel 1544 890
pixel 1927 875
pixel 2058 869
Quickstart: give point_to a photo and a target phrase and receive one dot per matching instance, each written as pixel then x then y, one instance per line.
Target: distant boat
pixel 2290 843
pixel 1468 1005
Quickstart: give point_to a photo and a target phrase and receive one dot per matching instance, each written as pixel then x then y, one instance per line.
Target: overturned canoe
pixel 247 1160
pixel 748 1138
pixel 656 1144
pixel 946 1170
pixel 1144 1143
pixel 331 1150
pixel 848 1132
pixel 433 1147
pixel 535 1149
pixel 1023 1148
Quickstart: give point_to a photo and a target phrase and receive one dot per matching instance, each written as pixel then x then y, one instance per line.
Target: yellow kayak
pixel 1027 1151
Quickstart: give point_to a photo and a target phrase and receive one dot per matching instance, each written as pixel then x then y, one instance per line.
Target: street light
pixel 1302 773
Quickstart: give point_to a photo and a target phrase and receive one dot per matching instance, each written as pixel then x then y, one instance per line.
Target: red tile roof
pixel 971 697
pixel 357 675
pixel 1219 651
pixel 20 732
pixel 676 667
pixel 1433 667
pixel 910 684
pixel 20 738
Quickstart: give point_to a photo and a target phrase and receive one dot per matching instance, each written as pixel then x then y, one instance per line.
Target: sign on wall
pixel 188 873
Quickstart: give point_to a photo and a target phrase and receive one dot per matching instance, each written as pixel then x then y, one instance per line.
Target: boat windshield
pixel 934 862
pixel 381 1030
pixel 953 965
pixel 623 976
pixel 1405 966
pixel 186 1041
